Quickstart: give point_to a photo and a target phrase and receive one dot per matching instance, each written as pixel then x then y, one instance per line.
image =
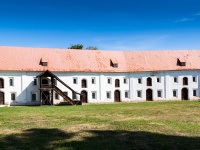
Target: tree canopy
pixel 80 46
pixel 76 46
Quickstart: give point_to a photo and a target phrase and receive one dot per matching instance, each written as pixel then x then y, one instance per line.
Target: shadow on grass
pixel 34 139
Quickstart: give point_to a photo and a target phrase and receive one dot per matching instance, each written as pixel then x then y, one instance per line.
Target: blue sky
pixel 106 24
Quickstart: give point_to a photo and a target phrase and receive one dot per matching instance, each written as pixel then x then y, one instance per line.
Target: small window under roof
pixel 113 63
pixel 181 62
pixel 43 62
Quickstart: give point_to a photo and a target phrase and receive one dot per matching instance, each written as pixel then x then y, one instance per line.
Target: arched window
pixel 84 83
pixel 117 83
pixel 149 81
pixel 185 81
pixel 1 83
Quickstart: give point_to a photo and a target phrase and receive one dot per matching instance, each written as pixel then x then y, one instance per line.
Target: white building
pixel 34 76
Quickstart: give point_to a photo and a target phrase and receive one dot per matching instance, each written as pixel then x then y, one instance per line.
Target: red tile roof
pixel 65 60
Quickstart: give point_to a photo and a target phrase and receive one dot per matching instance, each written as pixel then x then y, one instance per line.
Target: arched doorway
pixel 46 98
pixel 2 98
pixel 149 95
pixel 1 83
pixel 184 94
pixel 84 96
pixel 117 96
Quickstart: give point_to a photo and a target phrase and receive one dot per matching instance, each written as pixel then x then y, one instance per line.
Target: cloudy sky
pixel 106 24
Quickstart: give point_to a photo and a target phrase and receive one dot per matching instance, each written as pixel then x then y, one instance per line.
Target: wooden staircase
pixel 52 87
pixel 65 97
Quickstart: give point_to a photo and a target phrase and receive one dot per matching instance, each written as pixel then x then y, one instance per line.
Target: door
pixel 1 98
pixel 184 94
pixel 149 95
pixel 117 96
pixel 84 97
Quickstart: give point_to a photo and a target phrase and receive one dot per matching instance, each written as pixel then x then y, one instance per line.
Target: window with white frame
pixel 159 93
pixel 93 80
pixel 194 79
pixel 35 81
pixel 11 81
pixel 73 95
pixel 126 94
pixel 94 95
pixel 194 92
pixel 125 80
pixel 13 96
pixel 109 80
pixel 56 96
pixel 75 81
pixel 139 93
pixel 158 79
pixel 139 80
pixel 175 79
pixel 175 93
pixel 108 95
pixel 33 96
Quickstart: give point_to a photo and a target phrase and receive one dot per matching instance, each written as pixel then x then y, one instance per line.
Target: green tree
pixel 76 46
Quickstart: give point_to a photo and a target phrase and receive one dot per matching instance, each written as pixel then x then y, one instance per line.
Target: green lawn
pixel 145 125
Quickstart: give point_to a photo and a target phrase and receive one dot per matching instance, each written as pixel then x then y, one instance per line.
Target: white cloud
pixel 198 14
pixel 184 20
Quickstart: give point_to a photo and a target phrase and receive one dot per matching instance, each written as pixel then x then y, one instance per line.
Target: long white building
pixel 43 76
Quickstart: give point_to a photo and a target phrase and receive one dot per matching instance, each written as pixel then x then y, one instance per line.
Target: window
pixel 34 81
pixel 84 83
pixel 174 93
pixel 149 81
pixel 117 83
pixel 139 93
pixel 158 80
pixel 33 97
pixel 109 80
pixel 108 95
pixel 13 96
pixel 75 80
pixel 56 96
pixel 139 81
pixel 93 95
pixel 159 93
pixel 194 79
pixel 125 81
pixel 175 80
pixel 11 82
pixel 54 82
pixel 93 80
pixel 1 83
pixel 73 95
pixel 194 92
pixel 126 94
pixel 185 81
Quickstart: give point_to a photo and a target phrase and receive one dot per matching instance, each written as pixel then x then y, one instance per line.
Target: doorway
pixel 84 96
pixel 184 94
pixel 117 96
pixel 149 95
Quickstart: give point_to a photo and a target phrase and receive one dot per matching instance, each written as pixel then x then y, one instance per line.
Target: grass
pixel 145 125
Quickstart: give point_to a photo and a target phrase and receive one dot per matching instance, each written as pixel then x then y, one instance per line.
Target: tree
pixel 76 46
pixel 92 48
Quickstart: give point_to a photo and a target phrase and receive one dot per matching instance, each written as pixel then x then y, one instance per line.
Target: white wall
pixel 23 85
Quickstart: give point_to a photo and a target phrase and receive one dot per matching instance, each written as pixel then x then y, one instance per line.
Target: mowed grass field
pixel 118 126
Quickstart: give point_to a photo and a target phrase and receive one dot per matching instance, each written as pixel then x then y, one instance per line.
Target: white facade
pixel 100 87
